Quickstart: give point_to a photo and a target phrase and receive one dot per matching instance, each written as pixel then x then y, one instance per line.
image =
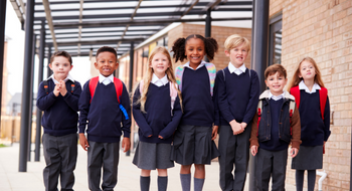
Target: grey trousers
pixel 60 154
pixel 270 163
pixel 234 150
pixel 106 156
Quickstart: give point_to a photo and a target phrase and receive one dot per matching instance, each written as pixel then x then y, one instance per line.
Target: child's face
pixel 106 63
pixel 195 51
pixel 60 66
pixel 276 83
pixel 237 55
pixel 160 63
pixel 307 71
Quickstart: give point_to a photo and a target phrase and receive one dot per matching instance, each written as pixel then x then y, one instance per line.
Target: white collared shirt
pixel 302 86
pixel 276 98
pixel 106 80
pixel 65 80
pixel 159 82
pixel 238 71
pixel 200 65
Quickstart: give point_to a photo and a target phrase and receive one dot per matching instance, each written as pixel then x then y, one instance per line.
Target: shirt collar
pixel 103 78
pixel 302 86
pixel 200 65
pixel 276 98
pixel 238 71
pixel 159 82
pixel 69 77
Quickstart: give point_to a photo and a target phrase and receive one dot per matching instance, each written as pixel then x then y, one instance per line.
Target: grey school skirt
pixel 308 158
pixel 151 156
pixel 193 145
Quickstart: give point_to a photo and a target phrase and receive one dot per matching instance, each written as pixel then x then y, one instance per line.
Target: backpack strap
pixel 46 86
pixel 212 74
pixel 323 94
pixel 297 94
pixel 259 113
pixel 118 87
pixel 73 85
pixel 291 111
pixel 178 75
pixel 92 86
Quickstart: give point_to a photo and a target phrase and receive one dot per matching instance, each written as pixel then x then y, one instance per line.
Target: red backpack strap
pixel 323 94
pixel 92 86
pixel 259 113
pixel 297 94
pixel 118 87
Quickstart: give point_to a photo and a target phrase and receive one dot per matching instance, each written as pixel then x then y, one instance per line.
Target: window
pixel 275 40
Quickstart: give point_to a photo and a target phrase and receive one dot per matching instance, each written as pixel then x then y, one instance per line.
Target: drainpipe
pixel 323 176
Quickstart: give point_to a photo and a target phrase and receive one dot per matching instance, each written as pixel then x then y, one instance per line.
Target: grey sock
pixel 198 184
pixel 186 182
pixel 145 182
pixel 162 183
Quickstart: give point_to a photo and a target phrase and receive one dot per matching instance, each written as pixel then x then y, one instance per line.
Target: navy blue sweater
pixel 158 119
pixel 237 96
pixel 314 131
pixel 274 144
pixel 104 118
pixel 60 113
pixel 196 98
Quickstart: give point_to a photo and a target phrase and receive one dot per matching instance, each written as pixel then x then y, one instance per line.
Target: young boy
pixel 237 96
pixel 58 98
pixel 276 125
pixel 105 107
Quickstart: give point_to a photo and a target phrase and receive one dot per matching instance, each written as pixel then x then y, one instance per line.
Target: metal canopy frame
pixel 77 25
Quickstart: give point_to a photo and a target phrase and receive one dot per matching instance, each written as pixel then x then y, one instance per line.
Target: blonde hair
pixel 296 79
pixel 236 40
pixel 149 75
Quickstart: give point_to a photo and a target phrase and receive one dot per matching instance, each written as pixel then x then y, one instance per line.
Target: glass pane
pixel 277 47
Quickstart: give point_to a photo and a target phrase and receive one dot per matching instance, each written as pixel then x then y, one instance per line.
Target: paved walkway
pixel 12 180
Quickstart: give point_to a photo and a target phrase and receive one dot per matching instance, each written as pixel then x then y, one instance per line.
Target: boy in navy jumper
pixel 58 98
pixel 106 113
pixel 237 92
pixel 276 125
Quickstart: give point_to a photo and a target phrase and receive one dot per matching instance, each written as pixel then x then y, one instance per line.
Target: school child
pixel 275 126
pixel 238 93
pixel 58 98
pixel 314 109
pixel 104 107
pixel 193 138
pixel 157 111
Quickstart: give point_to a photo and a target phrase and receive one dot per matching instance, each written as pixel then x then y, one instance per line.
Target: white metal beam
pixel 50 22
pixel 17 9
pixel 80 26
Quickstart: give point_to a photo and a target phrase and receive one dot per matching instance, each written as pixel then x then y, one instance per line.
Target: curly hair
pixel 179 47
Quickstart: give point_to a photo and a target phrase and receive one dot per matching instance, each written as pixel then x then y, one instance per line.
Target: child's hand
pixel 293 152
pixel 57 90
pixel 126 144
pixel 214 134
pixel 244 125
pixel 236 127
pixel 254 150
pixel 83 141
pixel 160 137
pixel 63 90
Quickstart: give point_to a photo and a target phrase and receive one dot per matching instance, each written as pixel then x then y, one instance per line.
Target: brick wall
pixel 322 29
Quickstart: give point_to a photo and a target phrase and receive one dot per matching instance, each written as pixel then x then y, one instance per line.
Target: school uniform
pixel 59 122
pixel 192 142
pixel 310 156
pixel 105 122
pixel 160 118
pixel 272 136
pixel 237 97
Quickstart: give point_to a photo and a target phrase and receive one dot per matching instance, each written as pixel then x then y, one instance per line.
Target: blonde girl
pixel 314 108
pixel 157 111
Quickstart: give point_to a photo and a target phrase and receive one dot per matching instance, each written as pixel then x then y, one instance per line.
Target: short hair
pixel 106 49
pixel 271 70
pixel 236 40
pixel 61 53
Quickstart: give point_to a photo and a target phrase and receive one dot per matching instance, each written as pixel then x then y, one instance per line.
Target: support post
pixel 40 78
pixel 2 43
pixel 208 27
pixel 130 85
pixel 30 121
pixel 26 86
pixel 49 56
pixel 259 57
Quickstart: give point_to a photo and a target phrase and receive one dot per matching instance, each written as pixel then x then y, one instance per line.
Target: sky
pixel 15 56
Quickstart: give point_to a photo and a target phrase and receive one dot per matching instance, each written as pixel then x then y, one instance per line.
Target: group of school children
pixel 179 114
